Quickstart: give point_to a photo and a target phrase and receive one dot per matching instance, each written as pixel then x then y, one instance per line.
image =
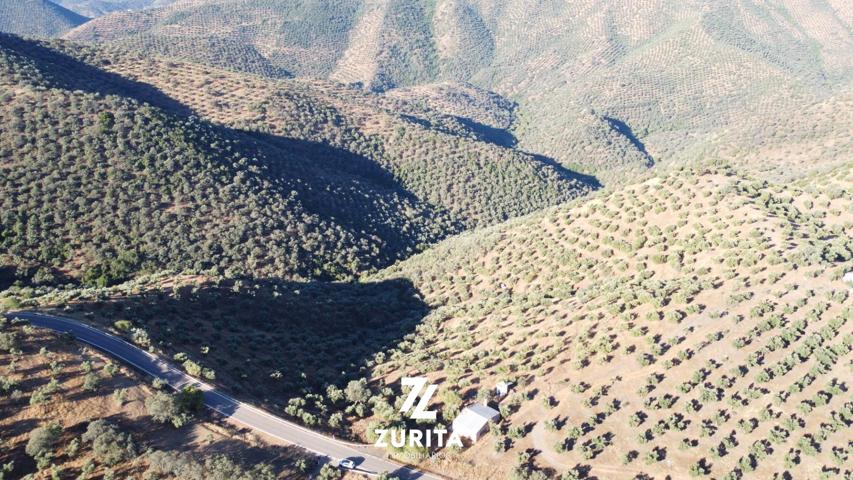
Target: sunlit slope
pixel 695 321
pixel 270 37
pixel 97 8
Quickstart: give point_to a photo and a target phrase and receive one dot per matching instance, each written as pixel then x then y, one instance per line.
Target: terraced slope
pixel 359 62
pixel 785 146
pixel 38 18
pixel 640 65
pixel 597 143
pixel 695 323
pixel 574 69
pixel 464 101
pixel 269 37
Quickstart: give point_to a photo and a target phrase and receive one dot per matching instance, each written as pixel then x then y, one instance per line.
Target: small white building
pixel 502 389
pixel 848 278
pixel 474 421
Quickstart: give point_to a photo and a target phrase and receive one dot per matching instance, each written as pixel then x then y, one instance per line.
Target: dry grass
pixel 43 356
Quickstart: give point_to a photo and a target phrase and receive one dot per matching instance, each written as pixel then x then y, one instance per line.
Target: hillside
pixel 638 215
pixel 70 412
pixel 136 188
pixel 97 8
pixel 329 184
pixel 38 18
pixel 482 108
pixel 272 37
pixel 694 322
pixel 599 85
pixel 440 158
pixel 784 147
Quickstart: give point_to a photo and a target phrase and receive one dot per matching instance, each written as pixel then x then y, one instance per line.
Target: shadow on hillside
pixel 356 191
pixel 11 275
pixel 564 172
pixel 66 72
pixel 281 458
pixel 326 159
pixel 498 136
pixel 273 339
pixel 8 276
pixel 624 129
pixel 505 138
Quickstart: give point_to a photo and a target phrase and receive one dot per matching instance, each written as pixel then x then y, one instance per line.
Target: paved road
pixel 328 448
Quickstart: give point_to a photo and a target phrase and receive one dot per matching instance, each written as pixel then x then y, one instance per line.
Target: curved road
pixel 235 410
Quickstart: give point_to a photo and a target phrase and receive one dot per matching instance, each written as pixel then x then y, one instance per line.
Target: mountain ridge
pixel 640 327
pixel 98 8
pixel 41 18
pixel 629 64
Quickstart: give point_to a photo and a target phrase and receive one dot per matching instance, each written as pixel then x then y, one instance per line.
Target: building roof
pixel 474 417
pixel 848 277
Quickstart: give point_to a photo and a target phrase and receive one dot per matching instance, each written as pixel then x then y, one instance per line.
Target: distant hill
pixel 97 8
pixel 598 84
pixel 269 37
pixel 38 18
pixel 138 187
pixel 330 182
